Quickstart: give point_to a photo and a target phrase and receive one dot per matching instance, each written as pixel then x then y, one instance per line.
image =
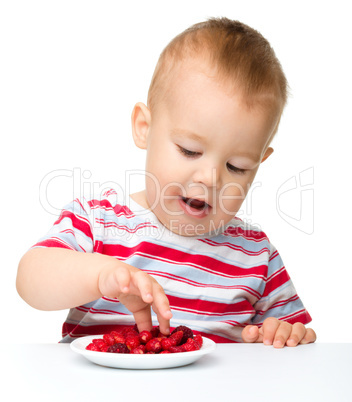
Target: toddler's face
pixel 204 148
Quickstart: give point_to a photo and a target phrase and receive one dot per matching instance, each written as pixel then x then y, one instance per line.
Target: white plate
pixel 131 361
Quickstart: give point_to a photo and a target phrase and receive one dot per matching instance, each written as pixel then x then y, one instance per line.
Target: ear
pixel 268 152
pixel 141 119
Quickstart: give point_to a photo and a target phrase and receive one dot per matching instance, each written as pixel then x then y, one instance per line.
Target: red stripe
pixel 100 311
pixel 109 192
pixel 79 203
pixel 202 285
pixel 274 255
pixel 300 316
pixel 279 303
pixel 78 223
pixel 53 242
pixel 275 281
pixel 205 307
pixel 98 247
pixel 111 300
pixel 173 256
pixel 234 247
pixel 118 209
pixel 124 227
pixel 236 231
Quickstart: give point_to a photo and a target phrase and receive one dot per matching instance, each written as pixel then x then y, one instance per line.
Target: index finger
pixel 161 307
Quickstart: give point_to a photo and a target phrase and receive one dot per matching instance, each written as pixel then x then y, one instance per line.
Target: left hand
pixel 278 333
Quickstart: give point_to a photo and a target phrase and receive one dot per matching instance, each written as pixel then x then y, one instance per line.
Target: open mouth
pixel 195 206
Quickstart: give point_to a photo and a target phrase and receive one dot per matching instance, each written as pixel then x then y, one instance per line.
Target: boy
pixel 214 106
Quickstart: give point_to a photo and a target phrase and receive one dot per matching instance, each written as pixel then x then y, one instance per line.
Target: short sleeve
pixel 279 299
pixel 72 230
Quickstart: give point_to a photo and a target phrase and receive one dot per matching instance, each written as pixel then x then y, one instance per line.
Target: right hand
pixel 138 291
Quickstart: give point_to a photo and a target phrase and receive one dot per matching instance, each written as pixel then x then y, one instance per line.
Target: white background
pixel 70 74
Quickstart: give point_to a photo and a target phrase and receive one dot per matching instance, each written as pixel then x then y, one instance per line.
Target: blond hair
pixel 242 58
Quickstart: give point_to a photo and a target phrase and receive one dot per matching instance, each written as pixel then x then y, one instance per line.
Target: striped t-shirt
pixel 215 284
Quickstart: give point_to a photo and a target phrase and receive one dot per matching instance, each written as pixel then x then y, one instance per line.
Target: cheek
pixel 163 177
pixel 232 196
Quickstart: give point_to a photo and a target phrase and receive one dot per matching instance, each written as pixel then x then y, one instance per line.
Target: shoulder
pixel 109 202
pixel 239 229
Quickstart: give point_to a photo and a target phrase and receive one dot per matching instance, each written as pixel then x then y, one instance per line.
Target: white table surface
pixel 233 372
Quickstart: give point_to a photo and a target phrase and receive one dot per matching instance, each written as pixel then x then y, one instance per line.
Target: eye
pixel 187 152
pixel 236 169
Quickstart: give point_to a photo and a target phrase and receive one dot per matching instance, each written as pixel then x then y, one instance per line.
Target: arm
pixel 56 278
pixel 280 313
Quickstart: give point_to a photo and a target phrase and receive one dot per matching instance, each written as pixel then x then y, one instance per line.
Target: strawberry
pixel 118 337
pixel 154 345
pixel 93 347
pixel 177 337
pixel 190 345
pixel 177 349
pixel 104 348
pixel 145 337
pixel 118 348
pixel 155 332
pixel 99 343
pixel 109 339
pixel 138 350
pixel 199 339
pixel 187 333
pixel 166 343
pixel 127 331
pixel 132 342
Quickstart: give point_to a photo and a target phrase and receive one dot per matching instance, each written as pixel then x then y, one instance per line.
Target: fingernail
pixel 267 342
pixel 278 344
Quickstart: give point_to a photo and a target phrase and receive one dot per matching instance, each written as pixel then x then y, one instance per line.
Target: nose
pixel 208 175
